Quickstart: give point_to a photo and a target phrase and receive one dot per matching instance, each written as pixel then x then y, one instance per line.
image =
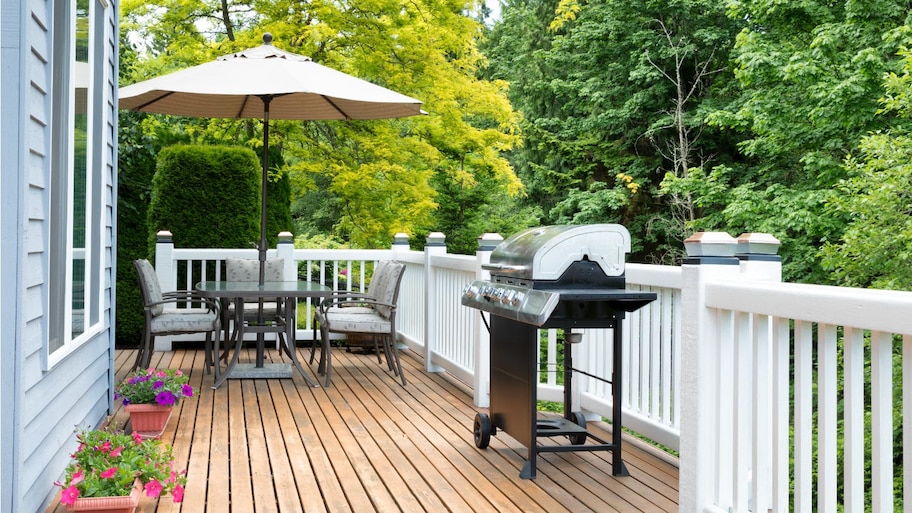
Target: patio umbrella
pixel 265 82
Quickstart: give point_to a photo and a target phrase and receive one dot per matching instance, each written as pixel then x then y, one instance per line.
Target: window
pixel 75 234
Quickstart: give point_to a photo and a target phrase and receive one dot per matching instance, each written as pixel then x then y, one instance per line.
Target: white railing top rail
pixel 879 310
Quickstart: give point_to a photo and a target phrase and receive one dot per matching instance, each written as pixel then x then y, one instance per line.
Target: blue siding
pixel 41 406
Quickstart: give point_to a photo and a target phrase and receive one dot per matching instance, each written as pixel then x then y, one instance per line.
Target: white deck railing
pixel 737 371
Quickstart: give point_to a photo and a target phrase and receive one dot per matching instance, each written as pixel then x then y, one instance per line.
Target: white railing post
pixel 285 249
pixel 164 268
pixel 482 366
pixel 435 245
pixel 400 244
pixel 711 258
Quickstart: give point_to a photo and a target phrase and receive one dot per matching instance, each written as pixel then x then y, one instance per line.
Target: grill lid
pixel 544 253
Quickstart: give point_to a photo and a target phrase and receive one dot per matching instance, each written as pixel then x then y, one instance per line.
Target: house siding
pixel 41 403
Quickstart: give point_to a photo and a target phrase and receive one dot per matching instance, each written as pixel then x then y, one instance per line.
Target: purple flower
pixel 157 385
pixel 166 398
pixel 187 390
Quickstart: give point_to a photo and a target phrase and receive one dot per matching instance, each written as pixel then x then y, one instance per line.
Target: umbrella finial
pixel 267 38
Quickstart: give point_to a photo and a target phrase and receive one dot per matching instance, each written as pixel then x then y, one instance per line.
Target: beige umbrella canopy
pixel 265 82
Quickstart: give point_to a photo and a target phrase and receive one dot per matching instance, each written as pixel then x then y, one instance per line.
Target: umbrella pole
pixel 262 249
pixel 265 173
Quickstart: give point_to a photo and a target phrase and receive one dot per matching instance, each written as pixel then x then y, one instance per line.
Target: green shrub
pixel 206 196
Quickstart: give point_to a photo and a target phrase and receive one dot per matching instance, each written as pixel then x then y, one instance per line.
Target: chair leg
pixel 386 351
pixel 208 353
pixel 313 342
pixel 325 365
pixel 144 357
pixel 393 352
pixel 139 353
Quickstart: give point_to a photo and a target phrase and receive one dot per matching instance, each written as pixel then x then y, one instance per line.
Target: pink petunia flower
pixel 153 488
pixel 116 452
pixel 78 476
pixel 69 495
pixel 178 493
pixel 137 438
pixel 107 474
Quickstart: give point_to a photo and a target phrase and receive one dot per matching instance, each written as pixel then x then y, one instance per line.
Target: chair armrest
pixel 343 297
pixel 373 303
pixel 190 298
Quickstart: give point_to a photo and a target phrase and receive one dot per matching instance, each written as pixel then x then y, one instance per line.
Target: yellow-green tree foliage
pixel 379 171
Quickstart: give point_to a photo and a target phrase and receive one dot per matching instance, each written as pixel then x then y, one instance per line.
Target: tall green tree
pixel 809 73
pixel 614 95
pixel 875 249
pixel 375 175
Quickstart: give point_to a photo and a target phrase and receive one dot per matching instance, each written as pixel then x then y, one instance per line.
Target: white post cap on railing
pixel 400 239
pixel 164 236
pixel 757 254
pixel 757 244
pixel 436 239
pixel 489 241
pixel 286 238
pixel 710 248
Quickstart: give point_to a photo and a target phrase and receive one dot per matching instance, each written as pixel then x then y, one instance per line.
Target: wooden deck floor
pixel 369 444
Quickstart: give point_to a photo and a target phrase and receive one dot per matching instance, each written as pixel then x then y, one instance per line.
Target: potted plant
pixel 148 395
pixel 110 470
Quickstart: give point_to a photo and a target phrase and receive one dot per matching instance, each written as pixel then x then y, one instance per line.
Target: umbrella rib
pixel 340 111
pixel 150 102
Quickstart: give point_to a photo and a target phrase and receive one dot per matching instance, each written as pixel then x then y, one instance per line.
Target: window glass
pixel 76 209
pixel 80 168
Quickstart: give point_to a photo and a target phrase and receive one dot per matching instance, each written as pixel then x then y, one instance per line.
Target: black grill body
pixel 587 292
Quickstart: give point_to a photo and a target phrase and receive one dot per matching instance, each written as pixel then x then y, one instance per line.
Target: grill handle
pixel 504 267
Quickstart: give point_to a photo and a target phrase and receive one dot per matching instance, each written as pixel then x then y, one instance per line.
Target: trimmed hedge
pixel 206 196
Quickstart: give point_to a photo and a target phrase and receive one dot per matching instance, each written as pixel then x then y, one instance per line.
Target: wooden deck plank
pixel 369 444
pixel 414 417
pixel 409 494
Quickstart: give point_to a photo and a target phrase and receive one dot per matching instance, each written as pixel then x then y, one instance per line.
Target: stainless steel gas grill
pixel 551 277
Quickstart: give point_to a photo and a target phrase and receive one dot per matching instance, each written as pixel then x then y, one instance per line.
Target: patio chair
pixel 373 314
pixel 377 282
pixel 244 269
pixel 173 313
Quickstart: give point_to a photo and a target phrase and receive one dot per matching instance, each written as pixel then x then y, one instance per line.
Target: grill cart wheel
pixel 482 430
pixel 580 419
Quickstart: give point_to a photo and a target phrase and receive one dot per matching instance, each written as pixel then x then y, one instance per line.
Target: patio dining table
pixel 240 292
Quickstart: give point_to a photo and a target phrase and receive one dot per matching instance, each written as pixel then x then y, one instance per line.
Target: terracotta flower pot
pixel 149 420
pixel 122 504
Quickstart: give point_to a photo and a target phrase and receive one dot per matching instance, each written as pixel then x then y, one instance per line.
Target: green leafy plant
pixel 107 463
pixel 164 387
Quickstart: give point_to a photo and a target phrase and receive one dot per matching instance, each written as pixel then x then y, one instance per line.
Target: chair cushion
pixel 184 320
pixel 356 322
pixel 390 292
pixel 150 283
pixel 245 269
pixel 378 278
